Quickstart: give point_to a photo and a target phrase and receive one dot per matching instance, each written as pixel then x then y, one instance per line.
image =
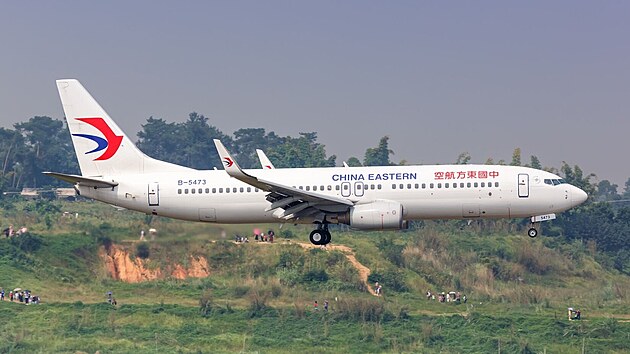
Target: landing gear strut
pixel 321 235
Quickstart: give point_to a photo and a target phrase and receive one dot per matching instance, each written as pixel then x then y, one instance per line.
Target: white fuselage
pixel 425 192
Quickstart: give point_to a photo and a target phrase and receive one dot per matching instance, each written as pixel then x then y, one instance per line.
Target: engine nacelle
pixel 378 215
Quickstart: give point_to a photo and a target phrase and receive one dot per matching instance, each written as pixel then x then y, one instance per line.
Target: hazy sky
pixel 439 78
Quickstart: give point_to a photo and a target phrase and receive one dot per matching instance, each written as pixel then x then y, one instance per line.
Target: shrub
pixel 318 275
pixel 142 250
pixel 27 242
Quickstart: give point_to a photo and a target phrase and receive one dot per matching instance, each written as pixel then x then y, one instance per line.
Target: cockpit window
pixel 555 182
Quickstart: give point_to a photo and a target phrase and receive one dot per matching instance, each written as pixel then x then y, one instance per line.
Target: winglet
pixel 230 165
pixel 264 160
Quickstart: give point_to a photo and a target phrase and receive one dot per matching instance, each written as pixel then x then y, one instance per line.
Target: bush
pixel 142 250
pixel 27 242
pixel 318 275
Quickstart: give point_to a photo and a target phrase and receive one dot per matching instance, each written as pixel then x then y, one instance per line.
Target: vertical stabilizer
pixel 101 146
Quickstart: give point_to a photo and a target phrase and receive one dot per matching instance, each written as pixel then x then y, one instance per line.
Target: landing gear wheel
pixel 327 237
pixel 317 237
pixel 532 232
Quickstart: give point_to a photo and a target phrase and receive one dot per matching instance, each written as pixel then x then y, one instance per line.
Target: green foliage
pixel 142 250
pixel 463 158
pixel 27 242
pixel 378 156
pixel 304 151
pixel 516 157
pixel 317 275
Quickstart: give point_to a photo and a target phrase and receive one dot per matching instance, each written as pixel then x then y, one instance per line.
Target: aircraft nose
pixel 578 196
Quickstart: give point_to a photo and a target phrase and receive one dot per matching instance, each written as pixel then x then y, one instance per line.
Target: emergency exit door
pixel 523 185
pixel 154 194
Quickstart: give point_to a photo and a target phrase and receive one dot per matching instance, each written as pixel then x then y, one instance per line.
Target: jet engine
pixel 377 215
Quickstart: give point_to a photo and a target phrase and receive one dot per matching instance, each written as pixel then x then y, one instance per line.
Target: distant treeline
pixel 44 144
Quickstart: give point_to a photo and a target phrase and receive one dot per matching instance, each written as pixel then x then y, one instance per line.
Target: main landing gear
pixel 320 236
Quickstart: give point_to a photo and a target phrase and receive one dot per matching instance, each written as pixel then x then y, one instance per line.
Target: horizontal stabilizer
pixel 83 181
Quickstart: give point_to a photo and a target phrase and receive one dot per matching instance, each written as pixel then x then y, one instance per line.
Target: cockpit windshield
pixel 555 182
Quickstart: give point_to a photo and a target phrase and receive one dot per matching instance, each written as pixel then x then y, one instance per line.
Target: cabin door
pixel 154 194
pixel 523 185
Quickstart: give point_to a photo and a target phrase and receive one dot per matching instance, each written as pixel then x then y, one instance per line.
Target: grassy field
pixel 259 297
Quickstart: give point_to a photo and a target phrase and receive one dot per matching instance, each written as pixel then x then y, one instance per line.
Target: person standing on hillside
pixel 2 294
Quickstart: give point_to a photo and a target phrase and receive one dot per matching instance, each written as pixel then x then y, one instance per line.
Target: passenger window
pixel 308 188
pixel 321 188
pixel 242 190
pixel 227 190
pixel 469 185
pixel 214 190
pixel 314 188
pixel 431 185
pixel 417 185
pixel 207 190
pixel 186 191
pixel 345 187
pixel 234 190
pixel 179 191
pixel 220 190
pixel 329 187
pixel 461 185
pixel 249 189
pixel 496 184
pixel 379 186
pixel 476 184
pixel 372 187
pixel 393 186
pixel 409 186
pixel 337 187
pixel 192 191
pixel 483 184
pixel 402 186
pixel 424 185
pixel 445 185
pixel 256 190
pixel 439 185
pixel 200 190
pixel 454 185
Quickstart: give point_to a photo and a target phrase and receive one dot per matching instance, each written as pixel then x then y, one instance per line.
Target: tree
pixel 575 176
pixel 378 156
pixel 463 159
pixel 161 140
pixel 626 189
pixel 534 162
pixel 187 144
pixel 48 148
pixel 247 140
pixel 354 162
pixel 516 157
pixel 606 191
pixel 12 151
pixel 304 151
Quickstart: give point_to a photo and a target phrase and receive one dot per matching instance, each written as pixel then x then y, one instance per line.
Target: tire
pixel 532 232
pixel 317 237
pixel 327 237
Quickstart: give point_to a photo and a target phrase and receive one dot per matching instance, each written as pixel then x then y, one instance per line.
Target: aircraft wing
pixel 83 181
pixel 295 202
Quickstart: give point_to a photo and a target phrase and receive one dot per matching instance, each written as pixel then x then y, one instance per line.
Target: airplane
pixel 115 171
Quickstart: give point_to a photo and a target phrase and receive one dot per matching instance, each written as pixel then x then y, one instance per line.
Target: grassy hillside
pixel 259 297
